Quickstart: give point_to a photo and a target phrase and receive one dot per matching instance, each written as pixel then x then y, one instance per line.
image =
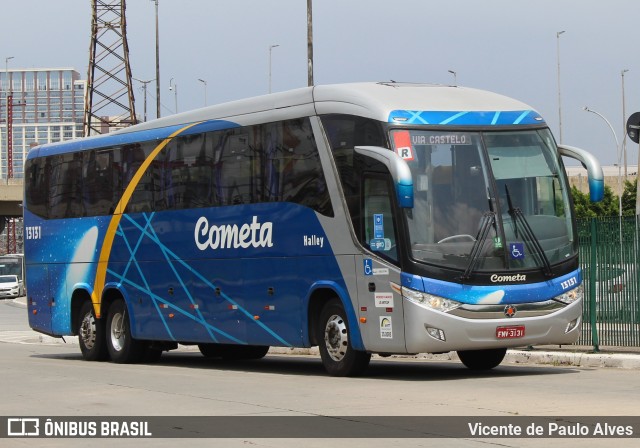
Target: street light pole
pixel 144 87
pixel 271 47
pixel 617 154
pixel 619 173
pixel 157 63
pixel 309 43
pixel 174 86
pixel 455 77
pixel 624 125
pixel 205 90
pixel 8 99
pixel 559 94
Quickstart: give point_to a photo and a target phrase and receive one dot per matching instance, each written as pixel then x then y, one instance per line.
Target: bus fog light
pixel 436 333
pixel 573 324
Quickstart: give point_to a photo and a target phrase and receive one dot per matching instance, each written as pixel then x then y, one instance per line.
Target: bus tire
pixel 482 359
pixel 123 349
pixel 211 350
pixel 91 334
pixel 339 358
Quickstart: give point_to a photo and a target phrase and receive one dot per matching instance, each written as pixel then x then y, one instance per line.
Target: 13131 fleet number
pixel 33 232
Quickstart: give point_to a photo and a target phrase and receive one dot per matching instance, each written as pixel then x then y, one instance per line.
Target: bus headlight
pixel 571 296
pixel 429 300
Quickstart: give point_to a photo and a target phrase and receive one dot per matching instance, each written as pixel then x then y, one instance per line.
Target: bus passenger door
pixel 380 306
pixel 39 298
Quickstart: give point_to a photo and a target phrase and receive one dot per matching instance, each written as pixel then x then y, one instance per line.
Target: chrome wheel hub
pixel 336 338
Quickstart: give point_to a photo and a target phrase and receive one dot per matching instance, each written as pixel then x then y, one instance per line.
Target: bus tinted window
pixel 273 162
pixel 148 195
pixel 190 173
pixel 65 186
pixel 294 172
pixel 345 132
pixel 239 167
pixel 102 181
pixel 36 180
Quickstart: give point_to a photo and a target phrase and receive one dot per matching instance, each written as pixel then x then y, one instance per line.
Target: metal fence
pixel 609 260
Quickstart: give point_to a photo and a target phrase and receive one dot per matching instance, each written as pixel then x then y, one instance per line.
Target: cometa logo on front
pixel 495 278
pixel 230 236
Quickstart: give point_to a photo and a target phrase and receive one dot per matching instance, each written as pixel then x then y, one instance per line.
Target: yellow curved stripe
pixel 107 244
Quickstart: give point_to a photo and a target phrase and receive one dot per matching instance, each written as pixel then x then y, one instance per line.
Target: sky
pixel 506 46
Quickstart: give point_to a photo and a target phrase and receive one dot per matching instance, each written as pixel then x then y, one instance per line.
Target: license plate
pixel 516 331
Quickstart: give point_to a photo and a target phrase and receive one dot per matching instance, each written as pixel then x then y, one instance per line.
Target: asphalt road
pixel 44 379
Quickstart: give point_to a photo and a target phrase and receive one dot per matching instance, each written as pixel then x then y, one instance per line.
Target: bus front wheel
pixel 91 334
pixel 482 359
pixel 338 356
pixel 123 349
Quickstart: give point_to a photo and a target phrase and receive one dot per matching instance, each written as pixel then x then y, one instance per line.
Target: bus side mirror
pixel 594 170
pixel 400 172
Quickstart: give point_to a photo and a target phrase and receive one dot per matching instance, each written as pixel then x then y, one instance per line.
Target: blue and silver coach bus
pixel 361 218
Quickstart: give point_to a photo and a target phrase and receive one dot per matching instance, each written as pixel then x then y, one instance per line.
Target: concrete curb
pixel 522 357
pixel 537 356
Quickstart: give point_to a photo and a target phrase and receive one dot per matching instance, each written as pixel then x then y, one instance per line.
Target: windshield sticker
pixel 516 250
pixel 402 142
pixel 378 225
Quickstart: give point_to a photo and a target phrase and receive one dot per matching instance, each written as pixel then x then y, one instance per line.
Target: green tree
pixel 587 209
pixel 629 198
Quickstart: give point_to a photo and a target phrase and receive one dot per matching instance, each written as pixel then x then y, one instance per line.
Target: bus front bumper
pixel 430 331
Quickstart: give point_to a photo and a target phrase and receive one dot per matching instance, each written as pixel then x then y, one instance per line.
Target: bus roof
pixel 367 99
pixel 384 101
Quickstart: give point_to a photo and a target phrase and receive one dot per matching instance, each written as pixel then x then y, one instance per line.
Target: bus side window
pixel 236 168
pixel 148 193
pixel 37 179
pixel 65 191
pixel 380 232
pixel 100 188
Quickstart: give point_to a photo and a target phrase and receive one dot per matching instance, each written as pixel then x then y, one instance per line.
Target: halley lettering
pixel 231 237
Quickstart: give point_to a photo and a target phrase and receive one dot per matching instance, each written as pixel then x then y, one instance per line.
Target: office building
pixel 48 106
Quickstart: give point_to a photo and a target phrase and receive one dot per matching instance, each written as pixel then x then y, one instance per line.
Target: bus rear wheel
pixel 123 349
pixel 482 359
pixel 91 334
pixel 338 356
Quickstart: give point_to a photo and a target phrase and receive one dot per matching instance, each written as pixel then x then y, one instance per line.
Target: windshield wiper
pixel 487 220
pixel 527 233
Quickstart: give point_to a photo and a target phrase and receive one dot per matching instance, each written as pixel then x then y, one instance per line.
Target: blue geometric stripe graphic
pixel 465 118
pixel 133 268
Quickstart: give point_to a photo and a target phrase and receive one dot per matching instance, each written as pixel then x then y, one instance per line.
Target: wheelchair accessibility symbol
pixel 516 250
pixel 368 266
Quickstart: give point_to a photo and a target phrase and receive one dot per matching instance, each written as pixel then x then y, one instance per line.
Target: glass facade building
pixel 48 106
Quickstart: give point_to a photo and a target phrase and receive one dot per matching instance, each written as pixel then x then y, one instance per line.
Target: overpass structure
pixel 11 224
pixel 11 197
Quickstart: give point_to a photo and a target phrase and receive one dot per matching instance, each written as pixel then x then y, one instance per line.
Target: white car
pixel 10 286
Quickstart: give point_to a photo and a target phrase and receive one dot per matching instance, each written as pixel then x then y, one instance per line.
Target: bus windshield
pixel 495 197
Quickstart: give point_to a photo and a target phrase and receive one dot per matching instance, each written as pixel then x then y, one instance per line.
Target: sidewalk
pixel 554 355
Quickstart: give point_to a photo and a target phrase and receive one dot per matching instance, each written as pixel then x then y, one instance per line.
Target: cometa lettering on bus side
pixel 230 236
